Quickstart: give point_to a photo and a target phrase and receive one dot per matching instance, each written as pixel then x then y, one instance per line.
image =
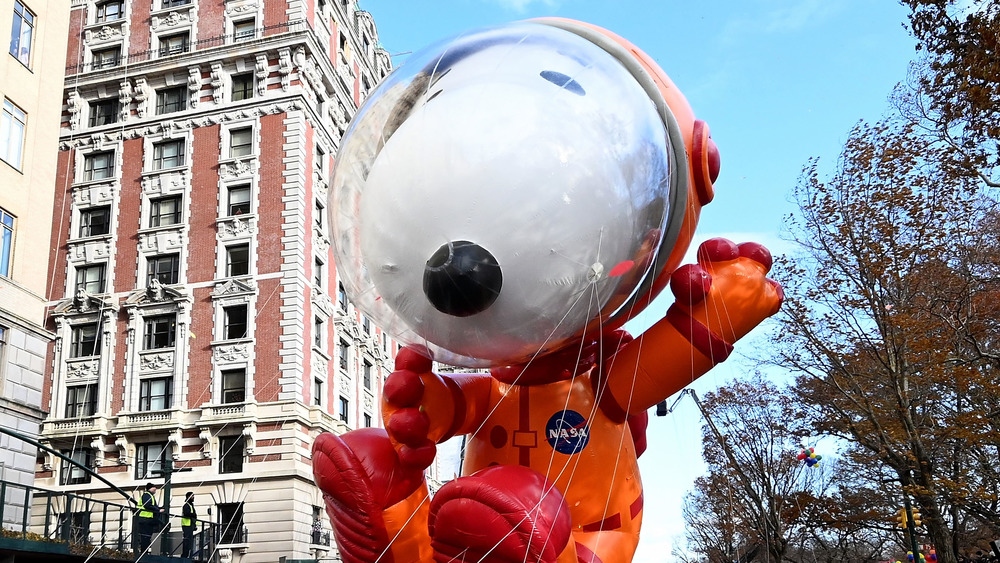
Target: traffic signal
pixel 901 519
pixel 916 519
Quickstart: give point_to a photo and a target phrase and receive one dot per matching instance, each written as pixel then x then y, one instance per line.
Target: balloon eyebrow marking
pixel 563 81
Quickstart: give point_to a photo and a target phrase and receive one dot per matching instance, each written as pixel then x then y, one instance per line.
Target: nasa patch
pixel 567 432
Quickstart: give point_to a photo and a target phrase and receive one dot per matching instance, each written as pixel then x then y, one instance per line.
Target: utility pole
pixel 910 527
pixel 773 538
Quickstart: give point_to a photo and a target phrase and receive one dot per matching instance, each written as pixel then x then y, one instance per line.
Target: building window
pixel 74 526
pixel 168 154
pixel 240 142
pixel 81 400
pixel 90 279
pixel 85 341
pixel 98 165
pixel 155 394
pixel 165 269
pixel 341 297
pixel 235 322
pixel 106 58
pixel 174 3
pixel 320 155
pixel 150 458
pixel 237 260
pixel 244 30
pixel 317 392
pixel 234 383
pixel 318 273
pixel 95 221
pixel 231 520
pixel 367 374
pixel 159 332
pixel 242 86
pixel 174 44
pixel 344 405
pixel 368 420
pixel 239 200
pixel 103 112
pixel 12 126
pixel 110 11
pixel 20 33
pixel 70 474
pixel 366 325
pixel 318 215
pixel 170 100
pixel 230 454
pixel 6 241
pixel 165 211
pixel 317 527
pixel 318 332
pixel 345 349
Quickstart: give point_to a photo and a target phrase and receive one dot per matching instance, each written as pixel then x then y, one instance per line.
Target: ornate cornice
pixel 148 129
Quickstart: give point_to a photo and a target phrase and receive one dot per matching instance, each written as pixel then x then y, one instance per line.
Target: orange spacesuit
pixel 565 417
pixel 550 471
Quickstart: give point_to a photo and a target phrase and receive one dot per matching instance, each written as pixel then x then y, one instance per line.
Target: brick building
pixel 194 300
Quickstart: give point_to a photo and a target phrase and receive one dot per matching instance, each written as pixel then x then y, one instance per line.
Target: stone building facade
pixel 195 305
pixel 31 75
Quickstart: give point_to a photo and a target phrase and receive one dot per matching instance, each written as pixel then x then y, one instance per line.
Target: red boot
pixel 501 514
pixel 377 505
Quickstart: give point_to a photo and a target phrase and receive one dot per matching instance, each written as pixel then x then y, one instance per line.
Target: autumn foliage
pixel 890 331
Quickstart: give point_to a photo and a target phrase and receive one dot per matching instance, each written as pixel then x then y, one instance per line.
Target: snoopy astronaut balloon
pixel 507 199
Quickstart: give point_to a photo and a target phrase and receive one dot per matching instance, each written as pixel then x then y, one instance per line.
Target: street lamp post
pixel 167 471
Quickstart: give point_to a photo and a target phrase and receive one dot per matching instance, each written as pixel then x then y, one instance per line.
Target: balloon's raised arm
pixel 717 302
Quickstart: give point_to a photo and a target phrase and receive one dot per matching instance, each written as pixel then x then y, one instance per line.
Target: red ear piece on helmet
pixel 705 162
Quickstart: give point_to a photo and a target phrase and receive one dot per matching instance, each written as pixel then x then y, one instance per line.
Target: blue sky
pixel 778 81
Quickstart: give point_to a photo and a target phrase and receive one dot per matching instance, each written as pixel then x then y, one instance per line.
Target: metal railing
pixel 232 535
pixel 186 47
pixel 321 537
pixel 37 520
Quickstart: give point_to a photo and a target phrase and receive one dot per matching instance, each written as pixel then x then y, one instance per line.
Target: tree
pixel 889 321
pixel 954 89
pixel 756 495
pixel 711 521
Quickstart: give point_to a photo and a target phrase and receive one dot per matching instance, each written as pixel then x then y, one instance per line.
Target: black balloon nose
pixel 462 279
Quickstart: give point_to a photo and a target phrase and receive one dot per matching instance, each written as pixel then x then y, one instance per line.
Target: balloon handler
pixel 509 199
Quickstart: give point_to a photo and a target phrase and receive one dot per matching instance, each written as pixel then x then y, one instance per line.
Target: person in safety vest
pixel 147 518
pixel 189 520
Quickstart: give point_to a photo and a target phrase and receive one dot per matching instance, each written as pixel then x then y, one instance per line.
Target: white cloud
pixel 790 16
pixel 796 16
pixel 521 6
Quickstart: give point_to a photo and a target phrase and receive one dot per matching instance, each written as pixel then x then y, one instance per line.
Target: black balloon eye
pixel 563 81
pixel 462 279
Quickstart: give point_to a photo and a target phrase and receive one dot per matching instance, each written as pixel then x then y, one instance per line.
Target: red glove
pixel 402 409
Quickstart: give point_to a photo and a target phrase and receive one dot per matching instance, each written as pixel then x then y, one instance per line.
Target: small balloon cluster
pixel 909 556
pixel 932 556
pixel 809 456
